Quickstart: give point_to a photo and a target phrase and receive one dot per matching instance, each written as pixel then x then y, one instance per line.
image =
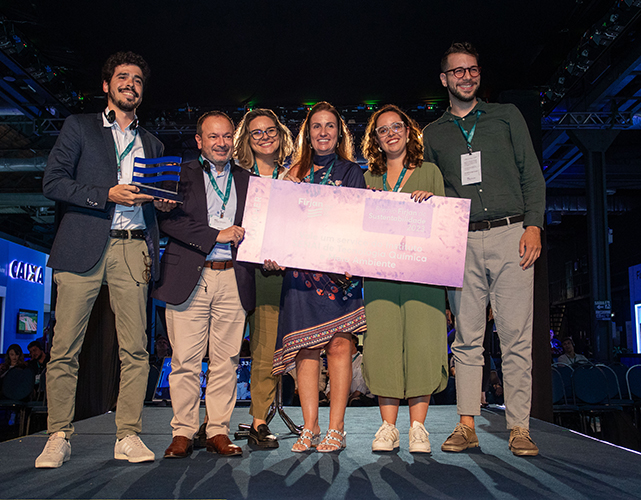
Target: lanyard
pixel 397 186
pixel 123 155
pixel 225 197
pixel 325 178
pixel 257 172
pixel 468 136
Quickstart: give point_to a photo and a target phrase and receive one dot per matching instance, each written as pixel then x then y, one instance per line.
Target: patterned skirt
pixel 313 308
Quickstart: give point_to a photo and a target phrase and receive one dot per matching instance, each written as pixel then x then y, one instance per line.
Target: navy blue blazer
pixel 191 239
pixel 80 171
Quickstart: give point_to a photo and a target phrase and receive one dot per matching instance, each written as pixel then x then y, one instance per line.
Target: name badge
pixel 471 168
pixel 219 223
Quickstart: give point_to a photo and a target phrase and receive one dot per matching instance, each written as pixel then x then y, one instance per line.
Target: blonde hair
pixel 242 147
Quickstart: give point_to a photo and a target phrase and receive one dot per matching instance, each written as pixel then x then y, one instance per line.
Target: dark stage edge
pixel 570 465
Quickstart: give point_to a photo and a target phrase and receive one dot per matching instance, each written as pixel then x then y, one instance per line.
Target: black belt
pixel 484 225
pixel 127 234
pixel 219 265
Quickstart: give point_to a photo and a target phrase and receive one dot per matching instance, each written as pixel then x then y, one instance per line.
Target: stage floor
pixel 570 465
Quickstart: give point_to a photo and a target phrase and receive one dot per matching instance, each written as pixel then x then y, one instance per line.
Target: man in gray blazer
pixel 108 233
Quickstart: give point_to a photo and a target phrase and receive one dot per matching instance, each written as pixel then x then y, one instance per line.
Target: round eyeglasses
pixel 395 127
pixel 460 72
pixel 258 134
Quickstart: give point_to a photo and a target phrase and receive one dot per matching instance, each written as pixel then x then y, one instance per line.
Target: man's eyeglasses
pixel 460 72
pixel 395 127
pixel 258 134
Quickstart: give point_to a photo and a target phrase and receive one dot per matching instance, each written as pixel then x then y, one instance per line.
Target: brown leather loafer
pixel 180 447
pixel 221 444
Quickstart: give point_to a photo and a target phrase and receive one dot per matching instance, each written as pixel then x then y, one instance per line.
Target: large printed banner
pixel 374 234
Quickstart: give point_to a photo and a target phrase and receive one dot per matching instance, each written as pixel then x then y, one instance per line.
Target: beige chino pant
pixel 212 314
pixel 121 266
pixel 492 273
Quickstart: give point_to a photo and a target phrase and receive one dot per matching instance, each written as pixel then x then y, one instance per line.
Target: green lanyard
pixel 325 178
pixel 225 197
pixel 397 186
pixel 257 172
pixel 123 155
pixel 468 136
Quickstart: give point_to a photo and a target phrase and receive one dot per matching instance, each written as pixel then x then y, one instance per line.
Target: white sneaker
pixel 56 452
pixel 419 439
pixel 386 438
pixel 132 448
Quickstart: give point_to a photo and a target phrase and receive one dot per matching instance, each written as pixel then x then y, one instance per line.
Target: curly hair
pixel 459 48
pixel 376 157
pixel 120 58
pixel 304 153
pixel 242 147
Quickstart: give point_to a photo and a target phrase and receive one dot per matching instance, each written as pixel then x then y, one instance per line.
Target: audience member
pixel 162 350
pixel 359 394
pixel 14 358
pixel 38 363
pixel 569 356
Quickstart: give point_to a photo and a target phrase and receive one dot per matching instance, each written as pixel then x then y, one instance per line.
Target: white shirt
pixel 578 358
pixel 126 217
pixel 221 251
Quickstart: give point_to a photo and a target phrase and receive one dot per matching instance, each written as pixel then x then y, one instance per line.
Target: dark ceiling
pixel 578 56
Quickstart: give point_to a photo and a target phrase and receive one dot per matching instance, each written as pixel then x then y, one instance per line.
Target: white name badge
pixel 471 168
pixel 219 223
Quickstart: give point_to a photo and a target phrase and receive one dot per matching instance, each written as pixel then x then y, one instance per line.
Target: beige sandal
pixel 336 443
pixel 306 434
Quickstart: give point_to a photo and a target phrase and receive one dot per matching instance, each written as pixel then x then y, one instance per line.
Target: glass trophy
pixel 158 177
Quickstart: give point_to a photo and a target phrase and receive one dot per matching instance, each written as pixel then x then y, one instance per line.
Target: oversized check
pixel 375 234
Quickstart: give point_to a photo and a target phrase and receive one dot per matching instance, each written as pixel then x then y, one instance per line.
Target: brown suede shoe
pixel 521 443
pixel 221 444
pixel 180 447
pixel 462 438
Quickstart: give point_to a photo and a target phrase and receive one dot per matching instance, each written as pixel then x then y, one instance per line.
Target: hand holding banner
pixel 375 234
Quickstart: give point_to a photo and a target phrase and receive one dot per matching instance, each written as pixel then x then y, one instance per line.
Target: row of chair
pixel 590 391
pixel 20 397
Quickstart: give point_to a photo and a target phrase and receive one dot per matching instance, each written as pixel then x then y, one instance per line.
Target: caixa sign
pixel 25 271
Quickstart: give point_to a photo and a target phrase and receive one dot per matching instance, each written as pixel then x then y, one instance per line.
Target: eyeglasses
pixel 395 127
pixel 460 72
pixel 258 134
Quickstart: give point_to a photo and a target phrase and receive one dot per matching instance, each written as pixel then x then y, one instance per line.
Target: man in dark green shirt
pixel 485 153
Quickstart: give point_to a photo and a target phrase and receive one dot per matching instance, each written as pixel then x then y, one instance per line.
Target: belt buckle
pixel 488 225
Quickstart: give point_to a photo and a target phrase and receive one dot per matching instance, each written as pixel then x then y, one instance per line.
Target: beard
pixel 122 103
pixel 459 95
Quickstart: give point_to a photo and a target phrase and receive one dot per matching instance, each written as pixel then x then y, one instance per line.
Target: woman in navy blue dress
pixel 319 310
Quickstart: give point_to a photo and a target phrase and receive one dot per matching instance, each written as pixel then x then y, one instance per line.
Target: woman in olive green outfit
pixel 261 145
pixel 405 346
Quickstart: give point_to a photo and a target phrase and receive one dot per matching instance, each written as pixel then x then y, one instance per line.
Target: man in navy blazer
pixel 207 292
pixel 108 233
